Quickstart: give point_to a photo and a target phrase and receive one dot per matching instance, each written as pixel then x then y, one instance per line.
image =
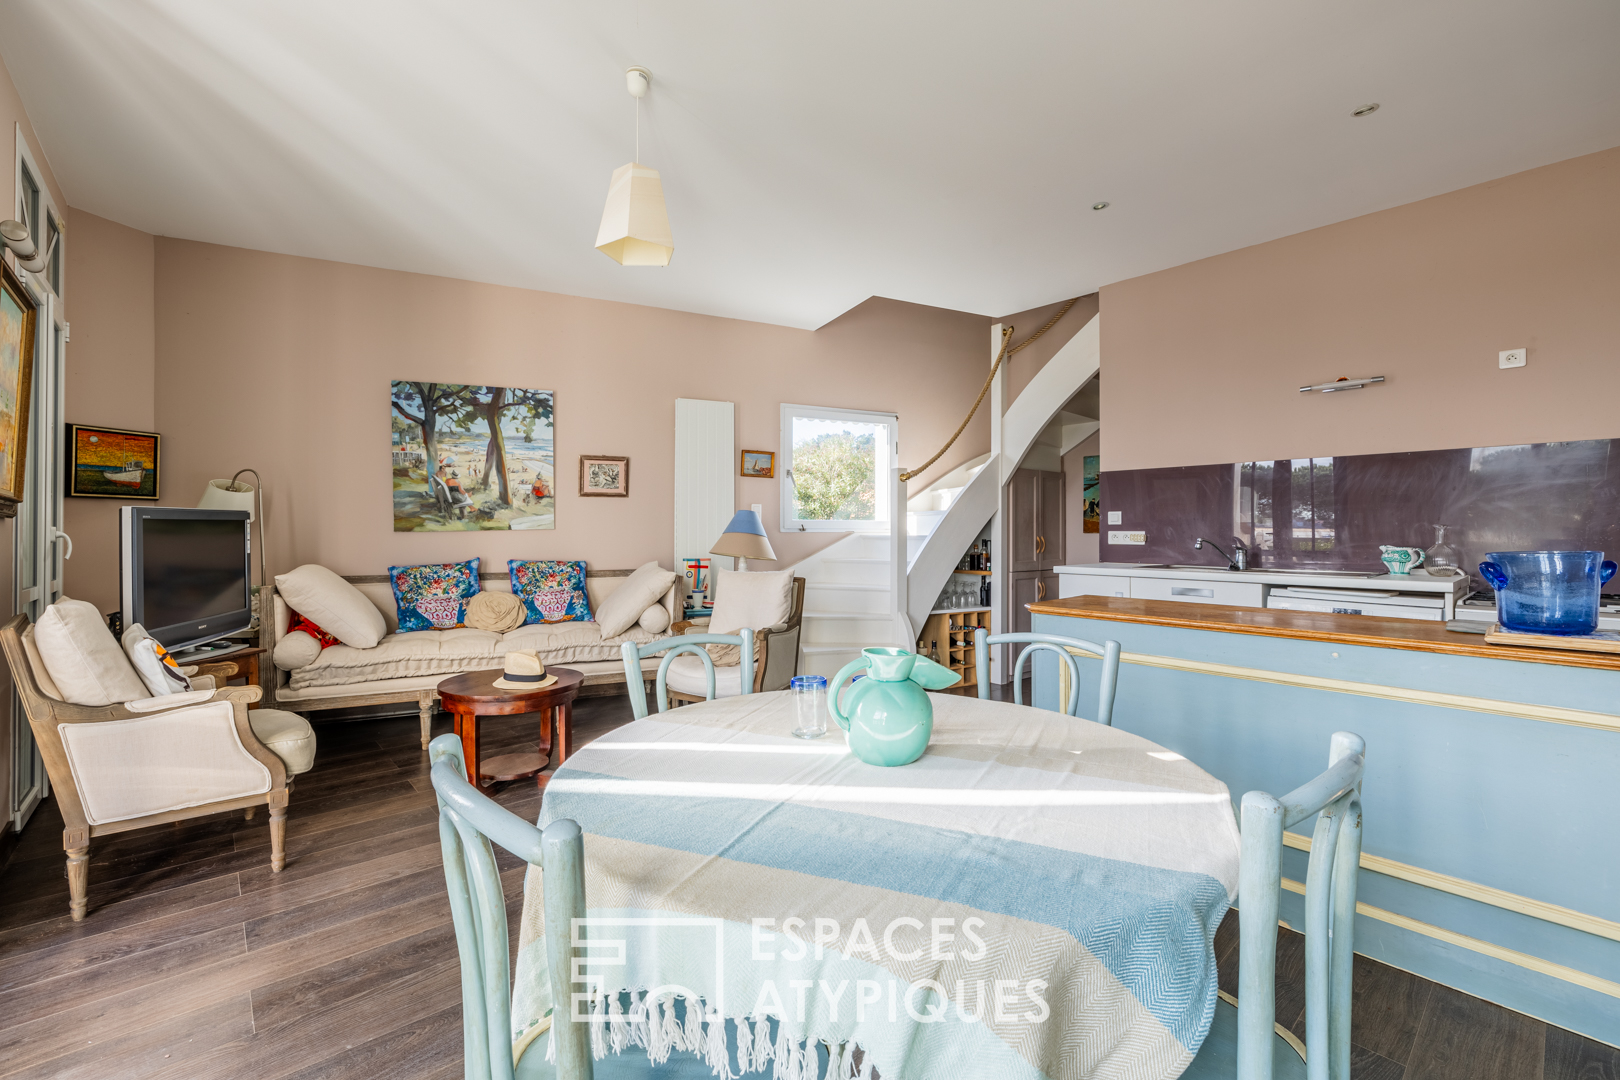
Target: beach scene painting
pixel 471 457
pixel 111 463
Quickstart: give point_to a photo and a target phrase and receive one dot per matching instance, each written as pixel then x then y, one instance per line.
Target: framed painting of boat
pixel 111 463
pixel 17 311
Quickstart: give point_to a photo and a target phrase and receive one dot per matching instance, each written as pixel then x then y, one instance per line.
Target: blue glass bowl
pixel 1547 592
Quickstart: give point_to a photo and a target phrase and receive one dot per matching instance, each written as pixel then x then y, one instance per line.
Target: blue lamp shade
pixel 744 538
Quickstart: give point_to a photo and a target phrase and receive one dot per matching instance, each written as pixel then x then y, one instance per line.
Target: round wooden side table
pixel 474 694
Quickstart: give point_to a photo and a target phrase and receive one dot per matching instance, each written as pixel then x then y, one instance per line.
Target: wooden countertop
pixel 1370 630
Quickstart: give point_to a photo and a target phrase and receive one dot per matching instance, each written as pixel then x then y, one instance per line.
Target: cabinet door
pixel 1023 506
pixel 1049 522
pixel 1027 588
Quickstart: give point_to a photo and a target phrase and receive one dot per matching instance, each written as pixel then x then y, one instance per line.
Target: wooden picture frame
pixel 18 321
pixel 758 463
pixel 602 476
pixel 112 463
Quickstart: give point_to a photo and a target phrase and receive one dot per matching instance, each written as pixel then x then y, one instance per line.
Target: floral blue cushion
pixel 433 597
pixel 551 591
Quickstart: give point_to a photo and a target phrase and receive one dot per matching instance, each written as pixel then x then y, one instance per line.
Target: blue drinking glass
pixel 1547 592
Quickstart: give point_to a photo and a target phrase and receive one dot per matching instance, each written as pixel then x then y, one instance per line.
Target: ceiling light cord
pixel 638 130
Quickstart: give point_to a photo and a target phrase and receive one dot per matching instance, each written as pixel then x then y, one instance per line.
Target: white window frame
pixel 883 478
pixel 48 214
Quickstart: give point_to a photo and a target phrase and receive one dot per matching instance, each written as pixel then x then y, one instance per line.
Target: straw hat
pixel 524 671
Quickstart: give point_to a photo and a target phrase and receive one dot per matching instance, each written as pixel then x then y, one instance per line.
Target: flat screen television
pixel 185 575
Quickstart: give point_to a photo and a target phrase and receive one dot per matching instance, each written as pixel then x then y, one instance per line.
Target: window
pixel 35 209
pixel 836 466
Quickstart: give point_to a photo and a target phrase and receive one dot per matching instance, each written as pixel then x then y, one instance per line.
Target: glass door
pixel 39 544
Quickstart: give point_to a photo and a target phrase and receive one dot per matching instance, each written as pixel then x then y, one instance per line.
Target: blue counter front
pixel 1492 844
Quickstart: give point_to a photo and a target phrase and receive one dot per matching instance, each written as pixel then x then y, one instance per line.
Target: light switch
pixel 1511 358
pixel 1115 516
pixel 755 507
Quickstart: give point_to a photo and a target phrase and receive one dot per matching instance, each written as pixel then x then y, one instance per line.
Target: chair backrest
pixel 1330 911
pixel 675 646
pixel 1066 648
pixel 468 821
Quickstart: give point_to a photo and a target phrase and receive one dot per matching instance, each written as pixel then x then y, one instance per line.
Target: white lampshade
pixel 635 223
pixel 227 495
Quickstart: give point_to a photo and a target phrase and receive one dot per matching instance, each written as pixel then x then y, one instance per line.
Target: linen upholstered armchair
pixel 771 604
pixel 154 760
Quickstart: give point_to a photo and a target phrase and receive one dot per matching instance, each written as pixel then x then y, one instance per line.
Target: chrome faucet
pixel 1238 560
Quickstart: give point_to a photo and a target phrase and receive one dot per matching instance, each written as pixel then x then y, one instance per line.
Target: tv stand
pixel 210 650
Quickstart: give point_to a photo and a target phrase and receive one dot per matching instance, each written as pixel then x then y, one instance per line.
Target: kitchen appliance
pixel 1390 605
pixel 1547 592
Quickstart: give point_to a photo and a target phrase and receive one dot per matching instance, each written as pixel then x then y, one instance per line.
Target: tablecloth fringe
pixel 655 1026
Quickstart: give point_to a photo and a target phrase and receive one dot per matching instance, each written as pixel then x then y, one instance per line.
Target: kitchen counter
pixel 1406 596
pixel 1490 859
pixel 1369 630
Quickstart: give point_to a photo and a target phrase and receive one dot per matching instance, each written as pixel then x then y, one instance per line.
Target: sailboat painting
pixel 111 463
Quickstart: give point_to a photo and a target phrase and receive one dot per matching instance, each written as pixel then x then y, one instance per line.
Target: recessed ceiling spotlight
pixel 1099 206
pixel 1366 110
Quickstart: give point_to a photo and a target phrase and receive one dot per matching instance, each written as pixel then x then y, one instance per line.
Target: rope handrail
pixel 1006 336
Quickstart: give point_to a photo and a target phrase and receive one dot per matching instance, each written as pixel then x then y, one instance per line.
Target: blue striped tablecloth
pixel 1036 897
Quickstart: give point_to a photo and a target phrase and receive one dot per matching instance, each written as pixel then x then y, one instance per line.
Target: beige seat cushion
pixel 333 604
pixel 288 735
pixel 619 612
pixel 574 642
pixel 398 656
pixel 686 675
pixel 85 661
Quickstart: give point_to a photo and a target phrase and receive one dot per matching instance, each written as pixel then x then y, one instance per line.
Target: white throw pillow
pixel 153 663
pixel 754 600
pixel 634 595
pixel 297 650
pixel 83 657
pixel 334 605
pixel 655 620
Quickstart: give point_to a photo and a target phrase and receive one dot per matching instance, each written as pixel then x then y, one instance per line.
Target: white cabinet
pixel 1093 585
pixel 1234 593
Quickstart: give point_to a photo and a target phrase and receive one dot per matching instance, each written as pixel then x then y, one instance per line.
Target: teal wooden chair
pixel 1245 1041
pixel 634 678
pixel 469 821
pixel 1108 652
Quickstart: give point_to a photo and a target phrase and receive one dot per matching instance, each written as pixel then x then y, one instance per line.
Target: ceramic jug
pixel 1401 560
pixel 890 718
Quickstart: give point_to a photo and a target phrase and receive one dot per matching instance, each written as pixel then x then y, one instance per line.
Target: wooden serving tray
pixel 1604 641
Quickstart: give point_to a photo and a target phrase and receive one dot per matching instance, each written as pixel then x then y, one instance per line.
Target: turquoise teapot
pixel 890 717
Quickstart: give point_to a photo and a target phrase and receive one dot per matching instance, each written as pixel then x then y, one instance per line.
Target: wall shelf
pixel 953 631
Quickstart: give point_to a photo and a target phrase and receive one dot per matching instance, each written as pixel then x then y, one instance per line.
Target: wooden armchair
pixel 776 651
pixel 120 767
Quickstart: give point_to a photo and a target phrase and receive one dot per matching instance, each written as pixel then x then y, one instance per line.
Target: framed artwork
pixel 760 463
pixel 467 458
pixel 604 475
pixel 111 463
pixel 1091 492
pixel 17 318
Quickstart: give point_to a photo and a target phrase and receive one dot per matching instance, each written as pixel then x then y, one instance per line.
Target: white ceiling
pixel 813 154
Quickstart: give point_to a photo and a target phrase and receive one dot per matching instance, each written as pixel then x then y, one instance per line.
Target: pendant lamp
pixel 635 224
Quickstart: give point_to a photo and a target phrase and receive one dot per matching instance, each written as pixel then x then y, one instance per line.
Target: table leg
pixel 253 677
pixel 564 715
pixel 467 731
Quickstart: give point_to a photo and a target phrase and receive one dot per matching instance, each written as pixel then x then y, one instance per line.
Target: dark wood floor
pixel 197 962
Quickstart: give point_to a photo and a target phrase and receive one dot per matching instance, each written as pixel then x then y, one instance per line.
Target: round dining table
pixel 1037 896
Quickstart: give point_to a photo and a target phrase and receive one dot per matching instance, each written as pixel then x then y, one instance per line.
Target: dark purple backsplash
pixel 1497 498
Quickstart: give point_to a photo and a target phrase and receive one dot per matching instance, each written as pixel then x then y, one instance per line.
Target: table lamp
pixel 231 495
pixel 745 539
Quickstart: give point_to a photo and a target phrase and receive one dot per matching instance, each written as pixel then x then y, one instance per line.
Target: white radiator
pixel 705 477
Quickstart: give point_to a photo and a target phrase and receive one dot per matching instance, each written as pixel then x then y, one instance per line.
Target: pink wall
pixel 110 382
pixel 1205 360
pixel 284 364
pixel 1025 364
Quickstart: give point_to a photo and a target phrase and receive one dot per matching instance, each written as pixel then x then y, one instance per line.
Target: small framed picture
pixel 111 463
pixel 759 463
pixel 604 475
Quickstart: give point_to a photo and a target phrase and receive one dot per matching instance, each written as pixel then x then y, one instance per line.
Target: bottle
pixel 933 651
pixel 987 565
pixel 984 593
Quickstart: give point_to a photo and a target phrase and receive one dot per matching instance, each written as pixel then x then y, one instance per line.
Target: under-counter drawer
pixel 1092 585
pixel 1234 593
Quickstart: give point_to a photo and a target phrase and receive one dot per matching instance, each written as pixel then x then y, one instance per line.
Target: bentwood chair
pixel 469 822
pixel 1065 647
pixel 1245 1041
pixel 677 646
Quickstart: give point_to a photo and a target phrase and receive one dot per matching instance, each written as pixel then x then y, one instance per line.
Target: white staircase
pixel 847 606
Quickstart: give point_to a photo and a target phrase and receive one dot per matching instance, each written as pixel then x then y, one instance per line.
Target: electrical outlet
pixel 1114 516
pixel 1511 358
